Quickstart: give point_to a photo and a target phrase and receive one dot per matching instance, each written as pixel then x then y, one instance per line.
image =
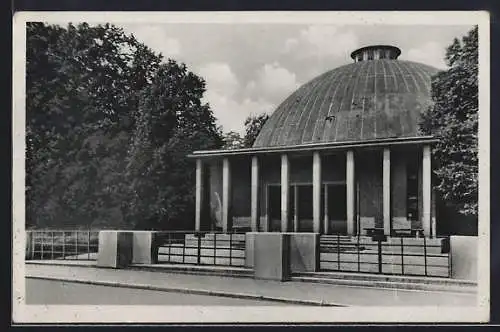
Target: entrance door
pixel 274 207
pixel 305 208
pixel 336 208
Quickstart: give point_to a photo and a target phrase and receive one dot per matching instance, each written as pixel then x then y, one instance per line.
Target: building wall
pixel 368 176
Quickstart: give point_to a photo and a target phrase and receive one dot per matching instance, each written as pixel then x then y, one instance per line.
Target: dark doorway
pixel 305 208
pixel 336 208
pixel 274 207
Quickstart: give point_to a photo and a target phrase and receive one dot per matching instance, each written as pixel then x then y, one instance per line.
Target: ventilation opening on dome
pixel 376 52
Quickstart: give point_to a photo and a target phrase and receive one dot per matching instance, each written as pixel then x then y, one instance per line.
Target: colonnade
pixel 317 183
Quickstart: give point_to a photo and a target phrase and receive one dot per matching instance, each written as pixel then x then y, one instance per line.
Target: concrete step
pixel 389 284
pixel 223 271
pixel 386 278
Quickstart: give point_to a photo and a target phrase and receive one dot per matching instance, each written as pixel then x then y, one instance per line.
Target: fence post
pixel 169 245
pixel 64 245
pixel 215 248
pixel 199 249
pixel 52 245
pixel 33 244
pixel 88 245
pixel 338 251
pixel 230 247
pixel 42 242
pixel 425 257
pixel 184 249
pixel 402 258
pixel 359 267
pixel 76 244
pixel 379 242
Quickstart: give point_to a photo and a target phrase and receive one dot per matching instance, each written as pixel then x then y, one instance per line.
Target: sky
pixel 251 68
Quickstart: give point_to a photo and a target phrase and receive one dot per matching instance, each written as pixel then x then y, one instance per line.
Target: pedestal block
pixel 464 256
pixel 144 250
pixel 115 249
pixel 271 256
pixel 304 252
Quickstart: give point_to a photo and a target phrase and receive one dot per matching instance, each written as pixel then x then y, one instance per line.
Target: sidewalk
pixel 289 292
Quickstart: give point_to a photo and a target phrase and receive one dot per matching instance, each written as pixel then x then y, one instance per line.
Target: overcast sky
pixel 251 68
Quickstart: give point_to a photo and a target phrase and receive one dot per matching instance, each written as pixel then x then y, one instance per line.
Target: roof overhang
pixel 382 142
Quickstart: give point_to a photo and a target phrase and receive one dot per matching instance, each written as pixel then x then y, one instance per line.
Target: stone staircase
pixel 209 249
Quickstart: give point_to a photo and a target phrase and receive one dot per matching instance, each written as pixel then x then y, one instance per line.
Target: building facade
pixel 342 154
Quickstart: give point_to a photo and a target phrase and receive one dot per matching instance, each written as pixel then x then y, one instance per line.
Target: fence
pixel 201 248
pixel 396 255
pixel 62 244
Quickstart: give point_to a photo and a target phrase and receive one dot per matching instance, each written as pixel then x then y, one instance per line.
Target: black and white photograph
pixel 251 167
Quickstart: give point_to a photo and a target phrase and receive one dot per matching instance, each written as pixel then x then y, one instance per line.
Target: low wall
pixel 115 249
pixel 271 256
pixel 304 252
pixel 464 255
pixel 144 250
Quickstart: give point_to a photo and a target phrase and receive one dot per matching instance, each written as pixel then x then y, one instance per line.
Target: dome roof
pixel 377 96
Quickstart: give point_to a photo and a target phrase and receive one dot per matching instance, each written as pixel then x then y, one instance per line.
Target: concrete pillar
pixel 386 178
pixel 285 182
pixel 255 195
pixel 350 190
pixel 226 195
pixel 426 190
pixel 317 192
pixel 199 193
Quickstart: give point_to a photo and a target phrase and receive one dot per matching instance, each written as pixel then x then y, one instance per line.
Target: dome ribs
pixel 358 101
pixel 284 112
pixel 307 124
pixel 342 123
pixel 413 85
pixel 272 125
pixel 328 111
pixel 288 131
pixel 420 81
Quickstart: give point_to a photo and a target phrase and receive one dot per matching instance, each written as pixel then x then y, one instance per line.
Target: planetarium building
pixel 341 155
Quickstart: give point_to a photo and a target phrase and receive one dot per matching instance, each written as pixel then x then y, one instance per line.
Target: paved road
pixel 351 296
pixel 40 291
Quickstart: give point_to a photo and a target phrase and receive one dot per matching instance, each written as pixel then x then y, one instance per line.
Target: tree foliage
pixel 89 93
pixel 253 125
pixel 233 140
pixel 453 119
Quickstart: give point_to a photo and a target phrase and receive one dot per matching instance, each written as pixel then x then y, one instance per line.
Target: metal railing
pixel 400 256
pixel 62 244
pixel 201 248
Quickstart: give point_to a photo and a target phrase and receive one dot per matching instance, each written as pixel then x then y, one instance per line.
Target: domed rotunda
pixel 342 154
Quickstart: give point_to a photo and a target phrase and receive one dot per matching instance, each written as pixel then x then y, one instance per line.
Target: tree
pixel 233 140
pixel 171 121
pixel 453 119
pixel 82 84
pixel 93 97
pixel 253 125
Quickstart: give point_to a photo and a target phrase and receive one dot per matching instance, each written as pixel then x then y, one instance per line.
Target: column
pixel 386 179
pixel 350 190
pixel 317 193
pixel 285 182
pixel 199 193
pixel 226 195
pixel 255 194
pixel 426 190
